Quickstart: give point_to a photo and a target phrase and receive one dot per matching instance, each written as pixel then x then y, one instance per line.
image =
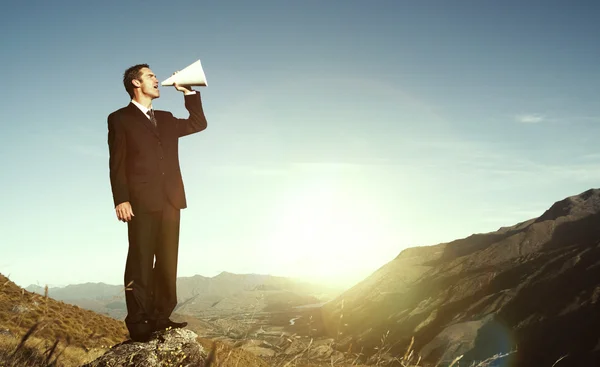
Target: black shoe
pixel 140 332
pixel 165 324
pixel 140 337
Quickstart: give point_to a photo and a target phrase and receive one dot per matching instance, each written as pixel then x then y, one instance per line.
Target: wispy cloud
pixel 530 118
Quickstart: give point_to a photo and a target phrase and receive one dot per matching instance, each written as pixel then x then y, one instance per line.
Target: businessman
pixel 148 194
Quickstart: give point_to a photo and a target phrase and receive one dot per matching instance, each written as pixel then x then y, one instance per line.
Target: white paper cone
pixel 192 75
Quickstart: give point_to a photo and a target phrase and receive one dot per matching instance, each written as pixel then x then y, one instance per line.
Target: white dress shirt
pixel 145 110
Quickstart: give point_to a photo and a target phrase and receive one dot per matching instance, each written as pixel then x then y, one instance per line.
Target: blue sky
pixel 339 132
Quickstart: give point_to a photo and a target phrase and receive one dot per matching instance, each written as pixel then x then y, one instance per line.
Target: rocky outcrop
pixel 177 347
pixel 533 288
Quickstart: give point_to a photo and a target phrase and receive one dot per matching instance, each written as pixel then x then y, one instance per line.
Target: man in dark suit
pixel 148 194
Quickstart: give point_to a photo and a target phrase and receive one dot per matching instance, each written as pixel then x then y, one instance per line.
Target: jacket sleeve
pixel 196 121
pixel 117 146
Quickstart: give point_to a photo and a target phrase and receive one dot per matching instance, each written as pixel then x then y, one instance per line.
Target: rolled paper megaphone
pixel 192 75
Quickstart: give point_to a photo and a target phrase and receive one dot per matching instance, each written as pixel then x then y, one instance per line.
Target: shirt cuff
pixel 189 94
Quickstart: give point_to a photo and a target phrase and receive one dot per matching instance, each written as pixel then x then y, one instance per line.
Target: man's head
pixel 140 80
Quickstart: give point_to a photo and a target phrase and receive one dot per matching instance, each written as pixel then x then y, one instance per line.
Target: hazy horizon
pixel 338 134
pixel 333 287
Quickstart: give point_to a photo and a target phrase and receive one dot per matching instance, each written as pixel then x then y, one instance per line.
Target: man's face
pixel 149 83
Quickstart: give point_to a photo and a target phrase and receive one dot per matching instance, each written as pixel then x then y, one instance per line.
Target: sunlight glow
pixel 325 229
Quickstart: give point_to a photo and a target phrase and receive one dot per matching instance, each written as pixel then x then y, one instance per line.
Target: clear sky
pixel 339 132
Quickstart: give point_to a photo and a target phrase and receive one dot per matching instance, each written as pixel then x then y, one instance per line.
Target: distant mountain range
pixel 533 288
pixel 198 293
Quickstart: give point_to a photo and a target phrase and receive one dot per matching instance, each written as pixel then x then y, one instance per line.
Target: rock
pixel 297 346
pixel 320 352
pixel 321 349
pixel 20 309
pixel 175 347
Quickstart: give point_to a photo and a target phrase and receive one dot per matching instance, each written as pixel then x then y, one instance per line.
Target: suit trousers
pixel 151 284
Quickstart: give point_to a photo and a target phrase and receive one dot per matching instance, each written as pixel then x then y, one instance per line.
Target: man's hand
pixel 124 212
pixel 182 88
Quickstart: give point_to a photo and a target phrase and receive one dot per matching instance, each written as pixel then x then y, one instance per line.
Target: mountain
pixel 531 291
pixel 227 284
pixel 198 294
pixel 102 298
pixel 99 291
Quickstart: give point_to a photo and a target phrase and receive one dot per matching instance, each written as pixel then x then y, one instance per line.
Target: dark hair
pixel 131 74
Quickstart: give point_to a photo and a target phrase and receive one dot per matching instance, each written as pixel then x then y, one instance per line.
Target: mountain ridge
pixel 506 281
pixel 200 290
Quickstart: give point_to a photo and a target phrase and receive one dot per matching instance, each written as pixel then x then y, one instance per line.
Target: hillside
pixel 20 310
pixel 81 333
pixel 533 287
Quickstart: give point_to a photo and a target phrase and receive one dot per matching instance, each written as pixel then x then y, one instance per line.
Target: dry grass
pixel 382 357
pixel 224 355
pixel 37 330
pixel 30 351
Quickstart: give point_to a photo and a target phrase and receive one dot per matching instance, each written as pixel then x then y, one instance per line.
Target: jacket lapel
pixel 139 116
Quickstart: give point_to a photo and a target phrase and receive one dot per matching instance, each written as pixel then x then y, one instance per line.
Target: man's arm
pixel 196 121
pixel 117 148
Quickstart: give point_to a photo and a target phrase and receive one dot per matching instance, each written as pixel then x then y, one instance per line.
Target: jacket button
pixel 163 173
pixel 161 157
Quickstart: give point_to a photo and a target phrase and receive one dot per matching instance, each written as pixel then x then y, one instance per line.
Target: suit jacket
pixel 144 160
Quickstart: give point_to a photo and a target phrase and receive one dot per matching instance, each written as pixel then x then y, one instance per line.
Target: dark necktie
pixel 152 118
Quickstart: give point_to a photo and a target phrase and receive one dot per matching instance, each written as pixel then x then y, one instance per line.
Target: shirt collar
pixel 142 108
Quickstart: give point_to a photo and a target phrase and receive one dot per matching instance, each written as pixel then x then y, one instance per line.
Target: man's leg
pixel 143 231
pixel 165 269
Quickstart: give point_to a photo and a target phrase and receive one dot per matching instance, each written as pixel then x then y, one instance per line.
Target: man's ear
pixel 136 83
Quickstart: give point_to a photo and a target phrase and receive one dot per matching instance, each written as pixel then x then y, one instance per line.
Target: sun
pixel 328 230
